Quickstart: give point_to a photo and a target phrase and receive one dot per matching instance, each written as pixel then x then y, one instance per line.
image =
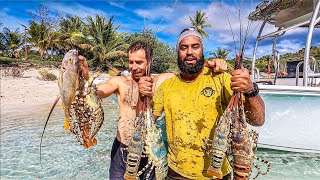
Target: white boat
pixel 292 105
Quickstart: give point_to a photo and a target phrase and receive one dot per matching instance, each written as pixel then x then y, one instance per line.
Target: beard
pixel 191 69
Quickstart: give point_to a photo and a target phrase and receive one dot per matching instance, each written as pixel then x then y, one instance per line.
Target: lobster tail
pixel 219 146
pixel 241 147
pixel 134 153
pixel 216 163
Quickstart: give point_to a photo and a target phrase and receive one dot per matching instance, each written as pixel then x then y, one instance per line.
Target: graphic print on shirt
pixel 207 92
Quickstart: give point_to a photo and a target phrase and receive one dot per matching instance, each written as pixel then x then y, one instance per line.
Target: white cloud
pixel 286 46
pixel 75 9
pixel 117 4
pixel 153 14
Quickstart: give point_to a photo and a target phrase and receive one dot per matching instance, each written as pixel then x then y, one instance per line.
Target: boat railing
pixel 309 20
pixel 297 72
pixel 313 72
pixel 258 74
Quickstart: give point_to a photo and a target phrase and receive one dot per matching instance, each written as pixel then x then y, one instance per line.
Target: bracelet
pixel 254 92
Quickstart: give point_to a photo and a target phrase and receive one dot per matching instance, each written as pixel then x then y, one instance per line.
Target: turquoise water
pixel 64 158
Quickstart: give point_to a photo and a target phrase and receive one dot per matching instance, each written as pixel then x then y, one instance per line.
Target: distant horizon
pixel 133 16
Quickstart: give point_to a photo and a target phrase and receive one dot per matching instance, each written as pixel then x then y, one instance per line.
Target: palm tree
pixel 37 37
pixel 11 40
pixel 107 44
pixel 53 41
pixel 71 29
pixel 199 22
pixel 2 43
pixel 221 53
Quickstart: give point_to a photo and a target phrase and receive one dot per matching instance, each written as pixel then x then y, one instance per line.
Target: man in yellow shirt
pixel 192 101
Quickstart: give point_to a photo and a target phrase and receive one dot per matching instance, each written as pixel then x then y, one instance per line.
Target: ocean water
pixel 64 158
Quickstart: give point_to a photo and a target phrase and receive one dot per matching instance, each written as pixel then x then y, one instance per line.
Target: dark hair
pixel 141 45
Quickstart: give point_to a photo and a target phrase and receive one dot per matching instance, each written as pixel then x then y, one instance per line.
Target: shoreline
pixel 28 93
pixel 20 94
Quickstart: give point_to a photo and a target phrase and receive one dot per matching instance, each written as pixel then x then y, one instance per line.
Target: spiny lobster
pixel 232 132
pixel 88 110
pixel 147 141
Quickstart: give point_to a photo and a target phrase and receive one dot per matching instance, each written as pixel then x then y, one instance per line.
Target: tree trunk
pixel 41 55
pixel 51 52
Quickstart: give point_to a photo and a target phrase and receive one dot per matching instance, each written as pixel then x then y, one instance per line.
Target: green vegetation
pixel 48 37
pixel 199 22
pixel 164 56
pixel 262 61
pixel 46 76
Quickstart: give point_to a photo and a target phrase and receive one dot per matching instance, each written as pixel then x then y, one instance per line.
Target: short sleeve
pixel 158 100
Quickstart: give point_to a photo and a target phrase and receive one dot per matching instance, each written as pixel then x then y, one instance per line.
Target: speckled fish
pixel 68 84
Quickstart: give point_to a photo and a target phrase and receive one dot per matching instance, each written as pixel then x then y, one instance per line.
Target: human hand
pixel 240 81
pixel 145 86
pixel 83 66
pixel 218 65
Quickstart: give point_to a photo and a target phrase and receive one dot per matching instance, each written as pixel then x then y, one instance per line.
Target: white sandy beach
pixel 28 93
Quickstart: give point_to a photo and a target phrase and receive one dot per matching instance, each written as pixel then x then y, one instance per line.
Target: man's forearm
pixel 255 110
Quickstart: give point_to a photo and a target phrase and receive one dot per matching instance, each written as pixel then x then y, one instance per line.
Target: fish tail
pixel 66 123
pixel 67 119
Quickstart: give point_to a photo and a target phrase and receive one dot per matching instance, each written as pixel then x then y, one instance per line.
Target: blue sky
pixel 133 16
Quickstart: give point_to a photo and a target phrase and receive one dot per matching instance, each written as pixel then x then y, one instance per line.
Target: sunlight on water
pixel 64 158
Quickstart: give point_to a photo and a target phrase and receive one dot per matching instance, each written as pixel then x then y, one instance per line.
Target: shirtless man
pixel 126 89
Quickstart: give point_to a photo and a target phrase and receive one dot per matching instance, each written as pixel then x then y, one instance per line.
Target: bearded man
pixel 193 101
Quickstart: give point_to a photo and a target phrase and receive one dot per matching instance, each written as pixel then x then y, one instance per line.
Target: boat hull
pixel 292 118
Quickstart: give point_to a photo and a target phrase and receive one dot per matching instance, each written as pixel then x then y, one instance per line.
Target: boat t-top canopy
pixel 286 15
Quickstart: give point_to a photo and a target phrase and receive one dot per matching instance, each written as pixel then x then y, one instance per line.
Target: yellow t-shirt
pixel 191 111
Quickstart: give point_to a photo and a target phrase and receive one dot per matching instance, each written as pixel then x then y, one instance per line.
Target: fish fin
pixel 66 123
pixel 44 128
pixel 77 83
pixel 60 80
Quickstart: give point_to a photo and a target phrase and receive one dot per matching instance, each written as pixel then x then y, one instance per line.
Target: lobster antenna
pixel 242 35
pixel 246 44
pixel 248 29
pixel 173 7
pixel 240 20
pixel 234 42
